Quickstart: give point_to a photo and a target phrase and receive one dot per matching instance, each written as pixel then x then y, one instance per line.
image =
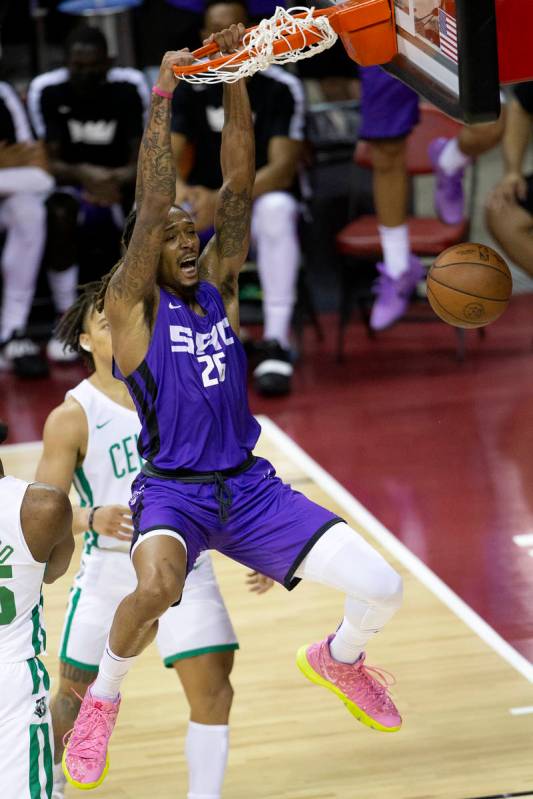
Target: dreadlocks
pixel 72 323
pixel 127 233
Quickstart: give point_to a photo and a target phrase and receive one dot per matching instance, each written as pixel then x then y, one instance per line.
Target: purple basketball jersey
pixel 190 391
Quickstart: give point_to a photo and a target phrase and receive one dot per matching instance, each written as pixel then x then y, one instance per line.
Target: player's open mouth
pixel 188 266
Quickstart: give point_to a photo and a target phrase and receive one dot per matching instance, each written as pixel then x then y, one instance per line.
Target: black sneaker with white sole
pixel 273 370
pixel 23 357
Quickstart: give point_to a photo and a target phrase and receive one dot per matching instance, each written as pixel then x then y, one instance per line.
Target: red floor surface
pixel 440 452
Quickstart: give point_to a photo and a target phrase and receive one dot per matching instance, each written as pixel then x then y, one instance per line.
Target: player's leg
pixel 104 578
pixel 25 731
pixel 160 561
pixel 22 216
pixel 389 111
pixel 289 537
pixel 206 682
pixel 450 158
pixel 197 639
pixel 511 224
pixel 65 706
pixel 342 559
pixel 60 259
pixel 275 236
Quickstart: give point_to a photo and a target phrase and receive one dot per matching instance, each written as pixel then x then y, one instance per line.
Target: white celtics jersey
pixel 111 461
pixel 22 634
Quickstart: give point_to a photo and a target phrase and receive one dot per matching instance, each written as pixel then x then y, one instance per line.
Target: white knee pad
pixel 342 559
pixel 275 214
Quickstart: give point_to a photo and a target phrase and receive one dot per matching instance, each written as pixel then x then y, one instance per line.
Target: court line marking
pixel 396 548
pixel 520 711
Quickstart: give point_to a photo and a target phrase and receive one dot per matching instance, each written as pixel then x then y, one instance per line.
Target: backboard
pixel 447 51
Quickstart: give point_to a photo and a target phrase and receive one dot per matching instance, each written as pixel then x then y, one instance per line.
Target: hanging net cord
pixel 259 42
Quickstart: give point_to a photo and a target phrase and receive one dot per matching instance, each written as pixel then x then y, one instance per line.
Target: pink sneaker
pixel 85 760
pixel 363 689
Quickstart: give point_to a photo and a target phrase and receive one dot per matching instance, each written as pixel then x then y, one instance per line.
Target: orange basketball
pixel 469 285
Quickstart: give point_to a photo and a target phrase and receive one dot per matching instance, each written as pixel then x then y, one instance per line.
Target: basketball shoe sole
pixel 356 711
pixel 84 786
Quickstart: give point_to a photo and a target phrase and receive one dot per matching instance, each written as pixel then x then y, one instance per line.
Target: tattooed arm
pixel 227 251
pixel 132 288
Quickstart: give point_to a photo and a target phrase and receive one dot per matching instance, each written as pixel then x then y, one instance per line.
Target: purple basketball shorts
pixel 269 528
pixel 389 108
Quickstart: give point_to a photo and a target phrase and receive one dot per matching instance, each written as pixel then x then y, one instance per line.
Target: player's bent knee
pixel 390 589
pixel 156 593
pixel 274 212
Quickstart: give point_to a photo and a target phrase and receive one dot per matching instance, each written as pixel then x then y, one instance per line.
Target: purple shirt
pixel 191 389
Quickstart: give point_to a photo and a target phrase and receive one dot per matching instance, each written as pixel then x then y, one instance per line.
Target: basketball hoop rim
pixel 289 42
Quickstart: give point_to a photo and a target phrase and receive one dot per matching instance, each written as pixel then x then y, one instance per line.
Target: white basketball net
pixel 259 43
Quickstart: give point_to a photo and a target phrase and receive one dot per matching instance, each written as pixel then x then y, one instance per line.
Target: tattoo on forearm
pixel 156 181
pixel 233 222
pixel 155 169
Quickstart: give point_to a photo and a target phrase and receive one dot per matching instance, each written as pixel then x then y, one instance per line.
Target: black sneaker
pixel 24 357
pixel 273 372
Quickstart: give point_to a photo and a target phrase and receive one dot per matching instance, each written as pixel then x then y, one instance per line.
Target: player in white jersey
pixel 36 545
pixel 91 440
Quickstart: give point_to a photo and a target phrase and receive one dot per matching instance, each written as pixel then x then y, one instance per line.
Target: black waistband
pixel 191 476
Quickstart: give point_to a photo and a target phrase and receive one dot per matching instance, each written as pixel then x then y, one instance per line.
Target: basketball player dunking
pixel 36 545
pixel 173 319
pixel 89 440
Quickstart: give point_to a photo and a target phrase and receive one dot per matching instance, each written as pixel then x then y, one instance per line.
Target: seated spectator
pixel 510 204
pixel 24 186
pixel 277 103
pixel 91 118
pixel 389 111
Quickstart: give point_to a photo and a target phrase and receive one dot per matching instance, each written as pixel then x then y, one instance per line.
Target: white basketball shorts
pixel 26 738
pixel 199 624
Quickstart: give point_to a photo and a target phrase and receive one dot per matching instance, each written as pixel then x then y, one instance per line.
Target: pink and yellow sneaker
pixel 85 760
pixel 363 689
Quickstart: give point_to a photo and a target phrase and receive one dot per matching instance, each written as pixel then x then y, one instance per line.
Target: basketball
pixel 469 285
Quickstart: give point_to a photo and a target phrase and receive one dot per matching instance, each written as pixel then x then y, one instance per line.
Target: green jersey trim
pixel 74 599
pixel 192 653
pixel 83 487
pixel 37 790
pixel 38 636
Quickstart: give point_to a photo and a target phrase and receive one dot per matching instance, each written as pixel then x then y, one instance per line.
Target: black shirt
pixel 277 102
pixel 524 94
pixel 97 130
pixel 14 125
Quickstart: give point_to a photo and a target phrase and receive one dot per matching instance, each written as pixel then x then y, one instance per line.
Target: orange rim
pixel 289 42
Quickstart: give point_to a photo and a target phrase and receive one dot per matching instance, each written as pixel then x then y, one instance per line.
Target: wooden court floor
pixel 292 740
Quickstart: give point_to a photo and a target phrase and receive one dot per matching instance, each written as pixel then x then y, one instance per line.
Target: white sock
pixel 396 250
pixel 111 672
pixel 206 747
pixel 16 307
pixel 452 159
pixel 60 781
pixel 63 286
pixel 348 643
pixel 277 323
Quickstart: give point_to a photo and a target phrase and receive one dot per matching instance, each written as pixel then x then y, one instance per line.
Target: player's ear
pixel 85 343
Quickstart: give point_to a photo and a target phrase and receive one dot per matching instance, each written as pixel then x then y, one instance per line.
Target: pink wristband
pixel 161 93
